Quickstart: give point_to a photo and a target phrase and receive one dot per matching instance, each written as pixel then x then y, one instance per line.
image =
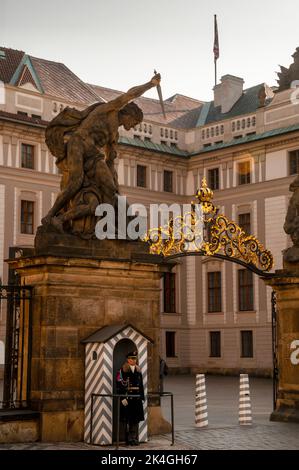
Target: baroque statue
pixel 287 75
pixel 85 146
pixel 291 225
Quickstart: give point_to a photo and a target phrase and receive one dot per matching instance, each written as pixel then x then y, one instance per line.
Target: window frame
pixel 165 183
pixel 25 156
pixel 246 176
pixel 214 292
pixel 246 224
pixel 210 185
pixel 291 153
pixel 143 177
pixel 246 305
pixel 215 346
pixel 169 293
pixel 24 220
pixel 170 346
pixel 246 352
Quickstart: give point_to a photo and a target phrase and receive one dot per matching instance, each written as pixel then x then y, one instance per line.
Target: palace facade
pixel 215 315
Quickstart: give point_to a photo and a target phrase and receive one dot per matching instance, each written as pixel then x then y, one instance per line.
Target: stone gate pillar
pixel 286 285
pixel 78 289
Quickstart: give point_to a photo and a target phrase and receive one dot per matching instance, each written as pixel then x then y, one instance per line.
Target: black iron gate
pixel 274 348
pixel 15 302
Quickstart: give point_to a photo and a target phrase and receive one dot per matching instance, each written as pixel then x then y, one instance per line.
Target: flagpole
pixel 216 46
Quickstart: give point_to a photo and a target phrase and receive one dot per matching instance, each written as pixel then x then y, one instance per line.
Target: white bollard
pixel 201 409
pixel 244 401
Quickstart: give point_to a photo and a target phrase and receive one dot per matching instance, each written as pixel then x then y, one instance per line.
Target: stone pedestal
pixel 286 286
pixel 73 297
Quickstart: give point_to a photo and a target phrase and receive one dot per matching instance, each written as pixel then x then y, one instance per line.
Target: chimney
pixel 227 93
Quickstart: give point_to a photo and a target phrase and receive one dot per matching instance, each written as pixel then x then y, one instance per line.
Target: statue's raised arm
pixel 85 146
pixel 131 94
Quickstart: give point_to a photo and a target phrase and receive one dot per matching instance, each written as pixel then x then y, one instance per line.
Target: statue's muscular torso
pixel 98 131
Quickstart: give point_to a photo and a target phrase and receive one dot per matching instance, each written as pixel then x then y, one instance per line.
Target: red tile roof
pixel 57 80
pixel 9 63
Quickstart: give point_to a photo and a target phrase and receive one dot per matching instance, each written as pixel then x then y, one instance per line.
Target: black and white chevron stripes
pixel 201 409
pixel 99 379
pixel 244 401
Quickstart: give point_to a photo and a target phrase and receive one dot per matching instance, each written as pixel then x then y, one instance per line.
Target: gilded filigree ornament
pixel 202 230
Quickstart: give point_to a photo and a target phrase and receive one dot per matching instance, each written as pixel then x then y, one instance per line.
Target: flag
pixel 216 40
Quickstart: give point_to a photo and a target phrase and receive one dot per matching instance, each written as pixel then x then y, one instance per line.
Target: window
pixel 251 133
pixel 147 139
pixel 244 172
pixel 174 145
pixel 213 178
pixel 27 217
pixel 222 129
pixel 244 222
pixel 207 145
pixel 169 292
pixel 141 176
pixel 163 142
pixel 245 279
pixel 170 343
pixel 215 344
pixel 214 292
pixel 236 137
pixel 294 162
pixel 27 156
pixel 246 344
pixel 137 137
pixel 22 113
pixel 168 181
pixel 36 116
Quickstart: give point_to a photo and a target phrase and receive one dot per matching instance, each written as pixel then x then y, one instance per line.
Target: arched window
pixel 162 132
pixel 233 126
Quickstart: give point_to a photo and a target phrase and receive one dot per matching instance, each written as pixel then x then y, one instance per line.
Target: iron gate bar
pixel 274 348
pixel 251 267
pixel 16 390
pixel 118 396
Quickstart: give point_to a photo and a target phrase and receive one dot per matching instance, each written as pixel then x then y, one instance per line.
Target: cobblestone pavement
pixel 223 432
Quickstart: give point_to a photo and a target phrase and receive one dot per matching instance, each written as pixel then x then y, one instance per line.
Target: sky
pixel 119 43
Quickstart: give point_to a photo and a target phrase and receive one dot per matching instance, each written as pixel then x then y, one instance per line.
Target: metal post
pixel 117 422
pixel 91 418
pixel 172 420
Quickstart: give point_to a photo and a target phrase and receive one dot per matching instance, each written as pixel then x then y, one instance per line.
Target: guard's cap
pixel 132 355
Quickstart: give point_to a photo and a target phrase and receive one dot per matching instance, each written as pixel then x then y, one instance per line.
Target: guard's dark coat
pixel 125 380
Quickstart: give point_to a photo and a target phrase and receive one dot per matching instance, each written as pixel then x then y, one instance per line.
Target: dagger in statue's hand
pixel 159 90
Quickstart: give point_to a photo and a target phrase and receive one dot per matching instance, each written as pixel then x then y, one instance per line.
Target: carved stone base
pixel 286 414
pixel 111 282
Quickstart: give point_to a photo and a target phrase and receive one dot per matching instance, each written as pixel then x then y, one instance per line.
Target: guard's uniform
pixel 129 382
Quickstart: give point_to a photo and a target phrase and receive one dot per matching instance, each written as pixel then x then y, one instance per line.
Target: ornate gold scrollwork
pixel 203 230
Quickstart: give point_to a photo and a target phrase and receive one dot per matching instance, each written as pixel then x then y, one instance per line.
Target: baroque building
pixel 215 316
